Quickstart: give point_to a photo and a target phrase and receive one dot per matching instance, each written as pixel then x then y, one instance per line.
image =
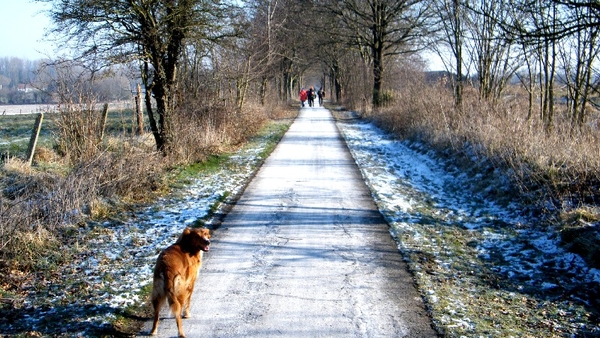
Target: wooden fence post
pixel 139 110
pixel 104 117
pixel 34 138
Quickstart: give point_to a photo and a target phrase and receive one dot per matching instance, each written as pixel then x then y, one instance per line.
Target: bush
pixel 88 177
pixel 45 202
pixel 557 167
pixel 553 172
pixel 210 129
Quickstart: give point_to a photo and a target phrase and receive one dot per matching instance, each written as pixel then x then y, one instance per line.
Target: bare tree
pixel 296 47
pixel 575 16
pixel 537 24
pixel 450 18
pixel 578 53
pixel 269 19
pixel 527 77
pixel 379 29
pixel 542 26
pixel 495 57
pixel 153 32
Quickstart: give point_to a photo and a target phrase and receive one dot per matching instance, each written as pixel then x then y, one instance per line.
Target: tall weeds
pixel 79 128
pixel 93 176
pixel 205 129
pixel 556 169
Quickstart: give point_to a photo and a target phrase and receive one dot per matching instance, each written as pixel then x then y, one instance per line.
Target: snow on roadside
pixel 479 266
pixel 117 259
pixel 474 261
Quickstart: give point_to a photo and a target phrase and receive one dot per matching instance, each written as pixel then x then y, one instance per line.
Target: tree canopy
pixel 151 32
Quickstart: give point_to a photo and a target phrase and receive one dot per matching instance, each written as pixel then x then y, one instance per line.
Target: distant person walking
pixel 303 96
pixel 311 96
pixel 321 94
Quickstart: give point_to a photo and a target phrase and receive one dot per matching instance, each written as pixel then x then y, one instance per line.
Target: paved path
pixel 304 253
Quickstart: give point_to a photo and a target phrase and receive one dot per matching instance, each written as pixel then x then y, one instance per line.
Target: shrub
pixel 516 158
pixel 205 129
pixel 94 177
pixel 557 167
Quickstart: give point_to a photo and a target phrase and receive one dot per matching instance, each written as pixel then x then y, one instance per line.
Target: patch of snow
pixel 416 195
pixel 546 285
pixel 411 188
pixel 123 255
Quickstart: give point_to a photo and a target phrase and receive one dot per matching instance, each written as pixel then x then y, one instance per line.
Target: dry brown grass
pixel 554 174
pixel 204 130
pixel 79 128
pixel 39 204
pixel 557 166
pixel 85 178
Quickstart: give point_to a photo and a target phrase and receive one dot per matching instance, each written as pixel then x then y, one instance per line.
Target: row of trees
pixel 15 70
pixel 18 81
pixel 36 81
pixel 544 43
pixel 232 52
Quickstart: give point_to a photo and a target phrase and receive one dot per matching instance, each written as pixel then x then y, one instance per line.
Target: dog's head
pixel 194 240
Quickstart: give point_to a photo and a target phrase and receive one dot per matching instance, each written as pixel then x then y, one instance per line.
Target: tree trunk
pixel 263 90
pixel 378 31
pixel 377 78
pixel 149 109
pixel 458 83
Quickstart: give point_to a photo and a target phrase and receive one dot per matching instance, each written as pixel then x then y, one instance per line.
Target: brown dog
pixel 175 274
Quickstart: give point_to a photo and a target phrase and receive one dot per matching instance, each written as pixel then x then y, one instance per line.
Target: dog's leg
pixel 186 310
pixel 176 307
pixel 157 302
pixel 188 301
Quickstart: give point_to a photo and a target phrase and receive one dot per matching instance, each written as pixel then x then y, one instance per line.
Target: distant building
pixel 26 87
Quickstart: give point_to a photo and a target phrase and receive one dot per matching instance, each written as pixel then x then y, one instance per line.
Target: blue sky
pixel 22 28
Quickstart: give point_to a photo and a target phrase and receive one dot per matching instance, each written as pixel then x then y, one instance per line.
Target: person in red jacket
pixel 303 96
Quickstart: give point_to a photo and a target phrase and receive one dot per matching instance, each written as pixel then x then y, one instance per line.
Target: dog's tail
pixel 158 299
pixel 168 286
pixel 158 290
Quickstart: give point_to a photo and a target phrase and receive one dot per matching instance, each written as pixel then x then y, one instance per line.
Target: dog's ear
pixel 185 232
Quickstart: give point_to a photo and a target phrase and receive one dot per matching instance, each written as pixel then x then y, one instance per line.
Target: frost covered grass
pixel 105 283
pixel 15 130
pixel 550 166
pixel 483 268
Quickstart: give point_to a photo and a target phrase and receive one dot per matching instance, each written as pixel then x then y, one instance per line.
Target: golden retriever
pixel 175 274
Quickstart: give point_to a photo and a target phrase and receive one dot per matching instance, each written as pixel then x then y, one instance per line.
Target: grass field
pixel 15 130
